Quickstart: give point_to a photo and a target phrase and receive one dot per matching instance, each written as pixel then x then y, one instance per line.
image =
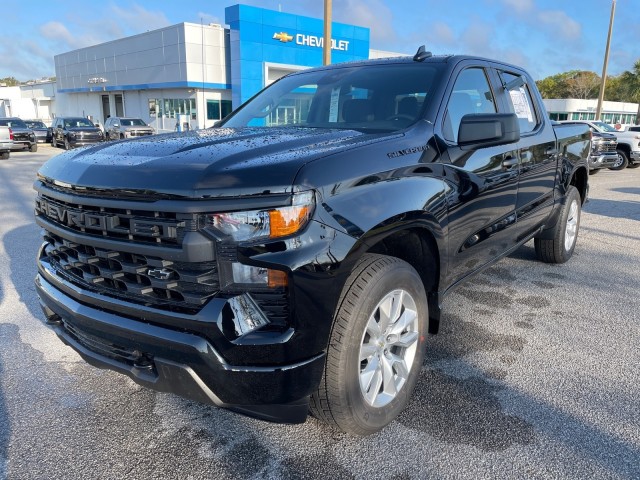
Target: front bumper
pixel 602 161
pixel 175 361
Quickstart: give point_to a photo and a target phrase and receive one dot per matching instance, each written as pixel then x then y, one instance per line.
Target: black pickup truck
pixel 294 258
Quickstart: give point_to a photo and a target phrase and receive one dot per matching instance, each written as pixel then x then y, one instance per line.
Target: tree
pixel 9 81
pixel 583 85
pixel 571 84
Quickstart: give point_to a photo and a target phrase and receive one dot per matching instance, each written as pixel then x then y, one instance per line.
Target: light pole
pixel 326 46
pixel 606 61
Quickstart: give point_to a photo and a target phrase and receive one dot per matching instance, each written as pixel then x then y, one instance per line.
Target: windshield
pixel 382 97
pixel 605 127
pixel 132 122
pixel 13 122
pixel 36 124
pixel 77 122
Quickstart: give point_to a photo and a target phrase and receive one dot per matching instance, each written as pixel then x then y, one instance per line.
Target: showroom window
pixel 218 109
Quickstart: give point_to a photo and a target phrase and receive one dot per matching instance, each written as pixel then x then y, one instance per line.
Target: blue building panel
pixel 259 36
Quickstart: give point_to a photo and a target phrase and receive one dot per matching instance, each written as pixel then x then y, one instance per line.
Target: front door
pixel 485 182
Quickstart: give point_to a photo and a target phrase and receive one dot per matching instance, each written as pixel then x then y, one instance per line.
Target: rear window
pixel 13 122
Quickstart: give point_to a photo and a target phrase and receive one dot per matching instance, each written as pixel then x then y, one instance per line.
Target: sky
pixel 544 36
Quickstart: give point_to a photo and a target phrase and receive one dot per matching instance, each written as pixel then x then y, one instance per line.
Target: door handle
pixel 509 162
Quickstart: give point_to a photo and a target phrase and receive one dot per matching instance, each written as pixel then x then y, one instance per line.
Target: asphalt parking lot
pixel 535 374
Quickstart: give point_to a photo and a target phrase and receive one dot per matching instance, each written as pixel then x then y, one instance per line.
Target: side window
pixel 471 94
pixel 520 102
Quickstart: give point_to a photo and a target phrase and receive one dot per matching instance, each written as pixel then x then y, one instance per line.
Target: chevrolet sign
pixel 311 41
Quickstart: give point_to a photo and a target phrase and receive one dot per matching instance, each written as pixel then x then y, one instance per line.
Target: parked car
pixel 73 132
pixel 124 127
pixel 43 133
pixel 628 148
pixel 603 152
pixel 6 142
pixel 274 267
pixel 23 137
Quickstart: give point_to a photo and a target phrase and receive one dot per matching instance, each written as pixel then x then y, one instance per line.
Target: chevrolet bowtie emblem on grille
pixel 283 37
pixel 160 273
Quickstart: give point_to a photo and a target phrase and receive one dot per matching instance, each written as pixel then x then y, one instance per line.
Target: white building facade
pixel 576 109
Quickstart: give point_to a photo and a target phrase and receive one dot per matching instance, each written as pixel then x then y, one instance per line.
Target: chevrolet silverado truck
pixel 6 142
pixel 604 150
pixel 628 148
pixel 295 258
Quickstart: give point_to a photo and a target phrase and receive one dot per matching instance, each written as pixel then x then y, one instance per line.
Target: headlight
pixel 72 135
pixel 271 223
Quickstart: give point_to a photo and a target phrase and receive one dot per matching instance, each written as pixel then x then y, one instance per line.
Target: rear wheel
pixel 565 233
pixel 376 348
pixel 594 171
pixel 4 155
pixel 633 165
pixel 622 162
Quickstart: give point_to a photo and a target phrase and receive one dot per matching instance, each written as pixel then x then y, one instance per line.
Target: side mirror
pixel 488 129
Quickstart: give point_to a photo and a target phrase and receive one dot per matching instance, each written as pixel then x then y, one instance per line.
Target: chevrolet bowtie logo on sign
pixel 283 37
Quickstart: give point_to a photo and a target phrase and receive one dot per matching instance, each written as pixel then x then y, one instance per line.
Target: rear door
pixel 536 151
pixel 484 181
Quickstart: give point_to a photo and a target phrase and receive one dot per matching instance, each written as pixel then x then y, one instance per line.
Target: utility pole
pixel 606 61
pixel 326 46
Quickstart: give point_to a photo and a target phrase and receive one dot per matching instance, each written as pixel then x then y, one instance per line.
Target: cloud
pixel 373 14
pixel 207 18
pixel 137 19
pixel 560 24
pixel 519 6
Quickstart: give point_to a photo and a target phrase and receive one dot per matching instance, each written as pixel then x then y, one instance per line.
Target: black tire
pixel 122 136
pixel 633 165
pixel 67 145
pixel 340 398
pixel 5 155
pixel 594 171
pixel 34 148
pixel 106 136
pixel 54 144
pixel 623 161
pixel 560 248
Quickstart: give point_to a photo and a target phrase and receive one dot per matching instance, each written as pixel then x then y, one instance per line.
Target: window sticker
pixel 521 106
pixel 333 107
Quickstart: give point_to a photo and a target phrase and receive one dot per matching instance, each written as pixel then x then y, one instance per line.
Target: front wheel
pixel 33 148
pixel 376 348
pixel 67 145
pixel 565 233
pixel 622 161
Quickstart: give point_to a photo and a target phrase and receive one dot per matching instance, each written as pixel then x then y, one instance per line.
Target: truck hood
pixel 215 162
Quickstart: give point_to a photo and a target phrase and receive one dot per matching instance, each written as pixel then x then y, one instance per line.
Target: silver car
pixel 123 127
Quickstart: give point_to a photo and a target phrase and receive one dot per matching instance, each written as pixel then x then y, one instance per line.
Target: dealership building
pixel 191 75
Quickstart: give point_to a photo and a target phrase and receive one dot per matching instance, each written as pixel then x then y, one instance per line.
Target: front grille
pixel 88 136
pixel 147 280
pixel 605 147
pixel 117 223
pixel 139 133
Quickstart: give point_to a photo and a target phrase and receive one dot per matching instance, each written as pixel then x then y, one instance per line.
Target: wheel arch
pixel 414 242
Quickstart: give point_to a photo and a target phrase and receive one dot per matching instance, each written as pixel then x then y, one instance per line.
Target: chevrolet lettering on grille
pixel 80 219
